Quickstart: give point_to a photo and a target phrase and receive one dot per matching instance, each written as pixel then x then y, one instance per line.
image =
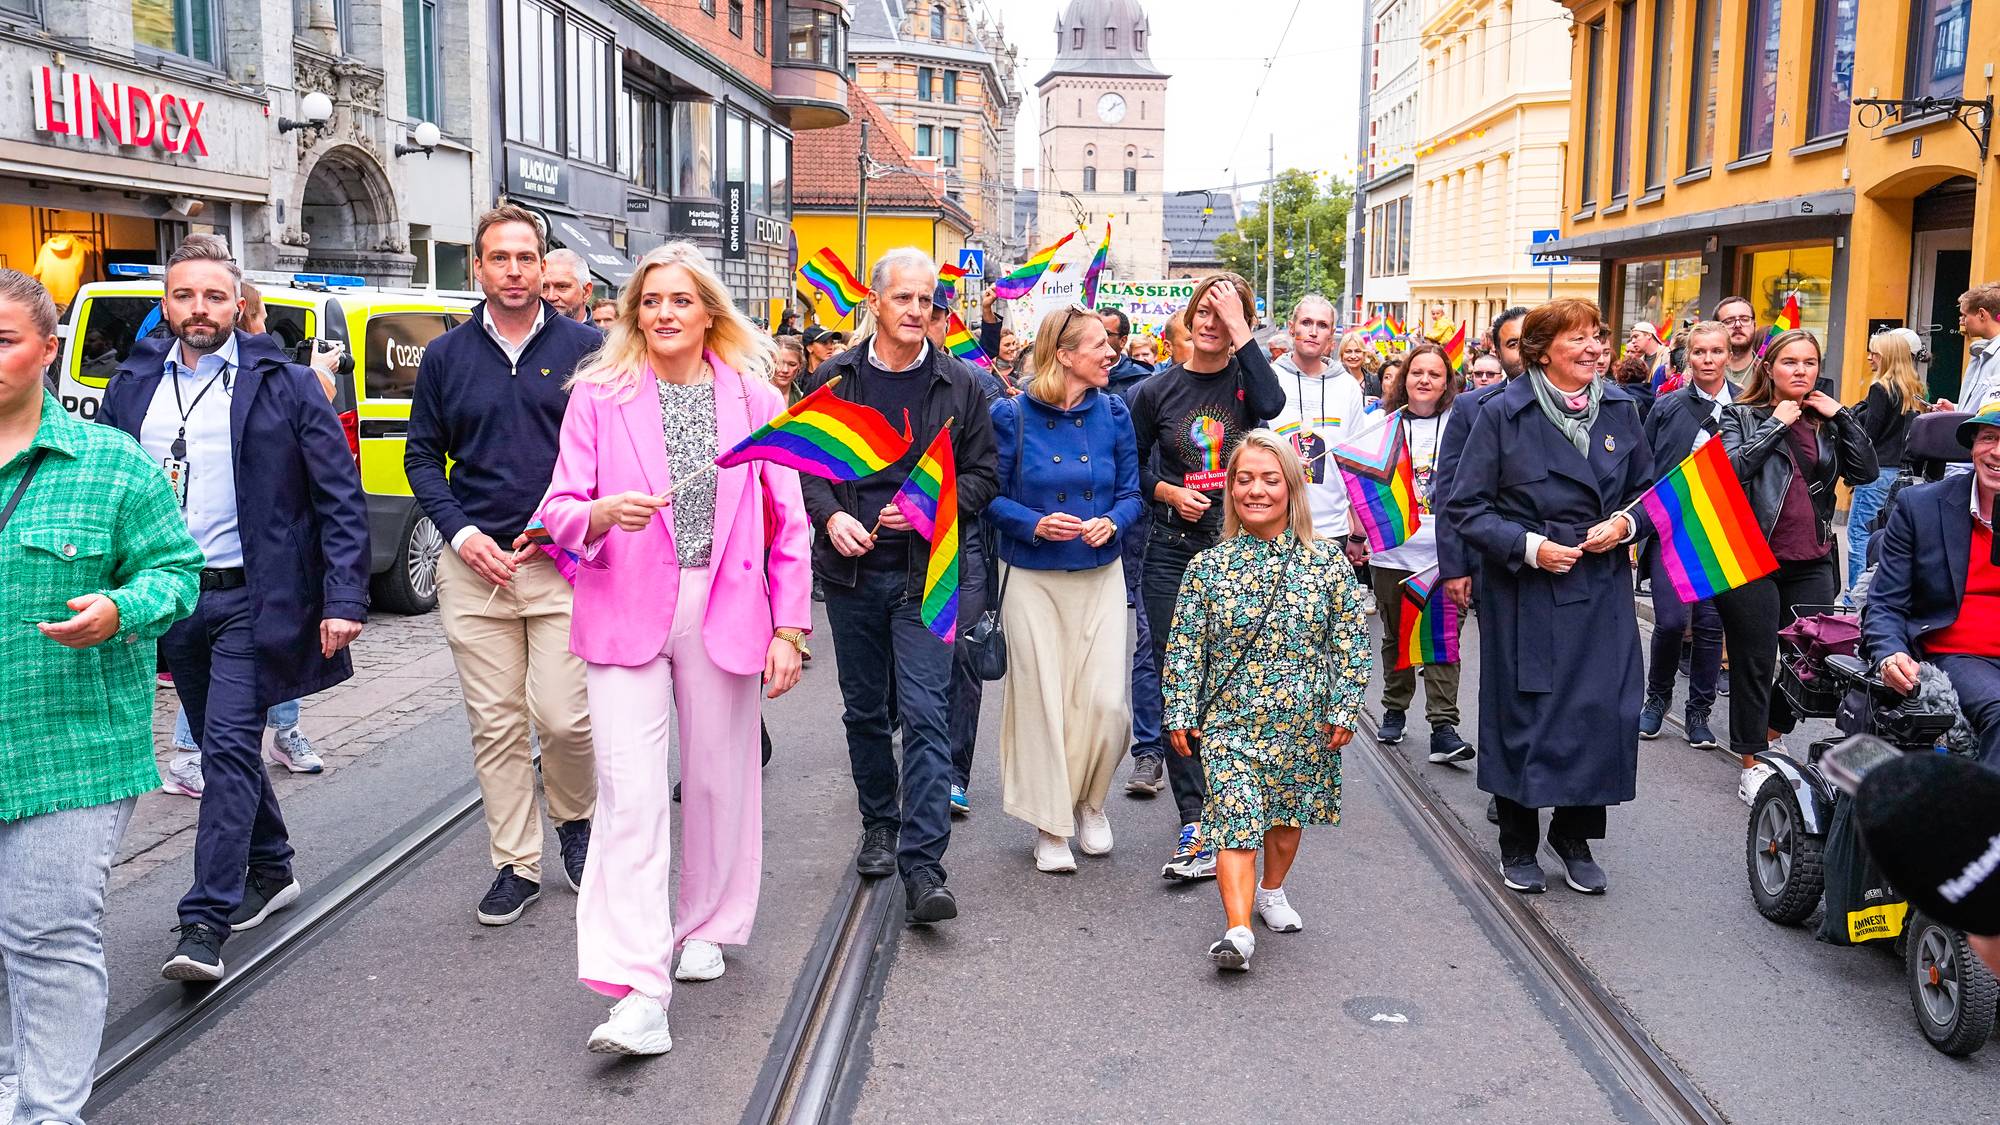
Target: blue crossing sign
pixel 972 260
pixel 1545 236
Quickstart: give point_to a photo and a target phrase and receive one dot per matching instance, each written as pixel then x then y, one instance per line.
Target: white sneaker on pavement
pixel 183 776
pixel 700 960
pixel 638 1026
pixel 1751 781
pixel 1234 950
pixel 291 749
pixel 1093 831
pixel 1276 913
pixel 10 1090
pixel 1052 853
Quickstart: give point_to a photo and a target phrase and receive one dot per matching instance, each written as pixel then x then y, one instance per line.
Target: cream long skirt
pixel 1068 709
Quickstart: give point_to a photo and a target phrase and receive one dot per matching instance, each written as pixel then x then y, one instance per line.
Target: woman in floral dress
pixel 1266 666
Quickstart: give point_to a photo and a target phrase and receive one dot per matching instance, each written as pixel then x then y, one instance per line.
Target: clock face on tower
pixel 1111 109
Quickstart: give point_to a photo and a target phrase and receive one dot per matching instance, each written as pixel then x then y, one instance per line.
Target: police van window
pixel 112 326
pixel 288 325
pixel 395 346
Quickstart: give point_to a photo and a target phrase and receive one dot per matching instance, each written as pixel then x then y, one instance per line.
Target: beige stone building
pixel 1493 107
pixel 1103 145
pixel 944 76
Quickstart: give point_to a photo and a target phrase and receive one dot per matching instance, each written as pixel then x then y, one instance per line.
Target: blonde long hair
pixel 1898 375
pixel 1297 505
pixel 624 358
pixel 1051 383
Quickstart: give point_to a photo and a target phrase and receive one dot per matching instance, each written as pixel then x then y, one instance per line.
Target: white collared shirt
pixel 876 360
pixel 513 350
pixel 1716 403
pixel 210 510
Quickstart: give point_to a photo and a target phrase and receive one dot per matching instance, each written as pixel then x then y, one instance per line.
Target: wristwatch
pixel 794 637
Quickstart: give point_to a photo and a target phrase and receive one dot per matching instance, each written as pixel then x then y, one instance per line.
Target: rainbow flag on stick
pixel 1709 538
pixel 1373 454
pixel 929 500
pixel 1428 635
pixel 1386 510
pixel 949 276
pixel 825 272
pixel 1788 319
pixel 826 436
pixel 1018 283
pixel 959 341
pixel 1454 348
pixel 1096 267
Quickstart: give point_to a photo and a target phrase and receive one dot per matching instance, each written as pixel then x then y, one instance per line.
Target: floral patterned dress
pixel 1289 679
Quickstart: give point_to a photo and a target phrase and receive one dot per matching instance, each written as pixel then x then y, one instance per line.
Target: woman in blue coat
pixel 1542 492
pixel 1069 487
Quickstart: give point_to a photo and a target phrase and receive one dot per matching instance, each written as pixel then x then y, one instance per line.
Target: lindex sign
pixel 77 104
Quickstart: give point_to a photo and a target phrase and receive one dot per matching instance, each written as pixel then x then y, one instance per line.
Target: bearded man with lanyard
pixel 1187 418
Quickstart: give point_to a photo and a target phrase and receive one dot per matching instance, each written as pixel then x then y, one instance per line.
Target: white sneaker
pixel 700 960
pixel 1052 853
pixel 1277 914
pixel 291 749
pixel 183 776
pixel 638 1026
pixel 1234 950
pixel 1093 831
pixel 1753 780
pixel 10 1090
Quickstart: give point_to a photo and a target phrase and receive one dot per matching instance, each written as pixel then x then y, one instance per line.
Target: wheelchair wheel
pixel 1952 992
pixel 1782 858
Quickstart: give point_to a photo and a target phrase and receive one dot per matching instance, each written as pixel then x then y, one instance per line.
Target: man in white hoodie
pixel 1322 409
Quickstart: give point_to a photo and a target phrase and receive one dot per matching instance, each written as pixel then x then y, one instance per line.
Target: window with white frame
pixel 587 89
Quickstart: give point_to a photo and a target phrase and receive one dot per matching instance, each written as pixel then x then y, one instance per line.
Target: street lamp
pixel 317 108
pixel 423 138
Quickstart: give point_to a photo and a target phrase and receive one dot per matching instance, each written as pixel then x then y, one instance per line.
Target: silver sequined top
pixel 687 419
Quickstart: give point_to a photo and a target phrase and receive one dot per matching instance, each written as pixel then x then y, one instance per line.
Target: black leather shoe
pixel 1523 874
pixel 927 899
pixel 1580 871
pixel 574 836
pixel 878 853
pixel 1492 810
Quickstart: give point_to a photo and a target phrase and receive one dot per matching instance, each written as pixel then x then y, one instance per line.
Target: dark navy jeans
pixel 240 829
pixel 1671 617
pixel 1146 738
pixel 883 646
pixel 1167 555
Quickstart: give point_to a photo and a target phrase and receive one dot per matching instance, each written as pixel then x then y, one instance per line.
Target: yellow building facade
pixel 1730 148
pixel 942 235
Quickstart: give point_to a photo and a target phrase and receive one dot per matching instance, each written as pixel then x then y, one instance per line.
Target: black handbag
pixel 986 642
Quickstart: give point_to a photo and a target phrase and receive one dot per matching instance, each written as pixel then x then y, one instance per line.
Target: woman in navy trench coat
pixel 1561 678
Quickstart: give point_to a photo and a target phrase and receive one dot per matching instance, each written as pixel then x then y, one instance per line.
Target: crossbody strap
pixel 20 490
pixel 1020 439
pixel 1263 621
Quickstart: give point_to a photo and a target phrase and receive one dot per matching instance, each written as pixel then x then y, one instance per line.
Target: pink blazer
pixel 626 581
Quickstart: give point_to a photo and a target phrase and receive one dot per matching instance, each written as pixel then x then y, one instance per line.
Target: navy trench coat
pixel 1560 681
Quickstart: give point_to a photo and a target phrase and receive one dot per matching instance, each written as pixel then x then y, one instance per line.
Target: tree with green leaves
pixel 1321 267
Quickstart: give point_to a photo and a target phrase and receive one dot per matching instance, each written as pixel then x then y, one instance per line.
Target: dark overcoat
pixel 301 513
pixel 1560 678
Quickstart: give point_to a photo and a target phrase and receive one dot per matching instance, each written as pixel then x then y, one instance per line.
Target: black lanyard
pixel 1310 424
pixel 20 490
pixel 179 449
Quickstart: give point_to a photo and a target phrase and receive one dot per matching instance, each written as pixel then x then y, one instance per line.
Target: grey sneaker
pixel 291 749
pixel 1148 776
pixel 183 776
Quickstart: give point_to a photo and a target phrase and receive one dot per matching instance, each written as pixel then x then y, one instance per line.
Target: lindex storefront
pixel 103 164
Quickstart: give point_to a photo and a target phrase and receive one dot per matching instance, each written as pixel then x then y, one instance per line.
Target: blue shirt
pixel 203 393
pixel 1083 462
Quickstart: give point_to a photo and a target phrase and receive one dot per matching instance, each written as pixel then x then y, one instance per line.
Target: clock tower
pixel 1104 135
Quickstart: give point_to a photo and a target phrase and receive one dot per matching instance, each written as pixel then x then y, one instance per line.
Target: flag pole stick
pixel 878 518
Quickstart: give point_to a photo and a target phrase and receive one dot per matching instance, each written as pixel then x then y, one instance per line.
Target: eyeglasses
pixel 1734 321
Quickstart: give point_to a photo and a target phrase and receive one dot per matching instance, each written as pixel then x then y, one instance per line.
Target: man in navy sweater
pixel 489 400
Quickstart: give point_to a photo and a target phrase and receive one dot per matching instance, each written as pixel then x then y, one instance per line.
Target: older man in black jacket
pixel 872 564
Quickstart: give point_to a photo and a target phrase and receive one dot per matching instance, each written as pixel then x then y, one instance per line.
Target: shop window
pixel 588 81
pixel 1760 77
pixel 1665 292
pixel 951 86
pixel 1593 112
pixel 1939 30
pixel 760 171
pixel 695 166
pixel 529 42
pixel 422 62
pixel 924 83
pixel 1621 142
pixel 1833 67
pixel 1662 82
pixel 639 140
pixel 781 175
pixel 177 27
pixel 736 147
pixel 1701 92
pixel 1768 274
pixel 949 137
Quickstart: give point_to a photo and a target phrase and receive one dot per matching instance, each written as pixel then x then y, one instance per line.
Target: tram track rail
pixel 170 1016
pixel 1633 1068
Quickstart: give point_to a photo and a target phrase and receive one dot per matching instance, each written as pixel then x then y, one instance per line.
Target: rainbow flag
pixel 949 277
pixel 1018 283
pixel 1096 267
pixel 1373 454
pixel 826 436
pixel 1417 587
pixel 1386 510
pixel 1454 348
pixel 1709 538
pixel 1788 319
pixel 1428 635
pixel 825 272
pixel 929 500
pixel 959 341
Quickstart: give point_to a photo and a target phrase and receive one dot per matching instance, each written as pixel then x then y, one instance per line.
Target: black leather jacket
pixel 1755 442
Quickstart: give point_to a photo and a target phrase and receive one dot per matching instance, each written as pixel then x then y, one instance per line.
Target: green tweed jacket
pixel 99 517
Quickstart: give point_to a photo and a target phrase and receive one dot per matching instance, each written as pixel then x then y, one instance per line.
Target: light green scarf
pixel 1573 421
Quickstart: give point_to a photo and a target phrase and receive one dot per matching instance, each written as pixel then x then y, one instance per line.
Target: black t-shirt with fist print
pixel 1188 424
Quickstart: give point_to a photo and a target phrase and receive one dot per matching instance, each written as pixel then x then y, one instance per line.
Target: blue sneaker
pixel 1191 861
pixel 1651 716
pixel 959 805
pixel 1394 725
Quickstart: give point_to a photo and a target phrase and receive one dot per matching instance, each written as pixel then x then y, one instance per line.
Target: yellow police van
pixel 384 331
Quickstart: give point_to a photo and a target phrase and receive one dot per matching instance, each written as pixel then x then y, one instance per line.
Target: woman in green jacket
pixel 95 563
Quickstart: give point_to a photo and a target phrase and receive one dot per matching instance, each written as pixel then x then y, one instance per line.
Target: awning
pixel 593 242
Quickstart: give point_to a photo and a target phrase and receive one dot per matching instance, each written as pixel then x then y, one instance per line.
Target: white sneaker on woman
pixel 638 1026
pixel 1052 853
pixel 1234 950
pixel 1277 914
pixel 700 960
pixel 1093 831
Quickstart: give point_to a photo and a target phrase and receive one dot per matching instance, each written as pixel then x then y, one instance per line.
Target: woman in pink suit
pixel 684 603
